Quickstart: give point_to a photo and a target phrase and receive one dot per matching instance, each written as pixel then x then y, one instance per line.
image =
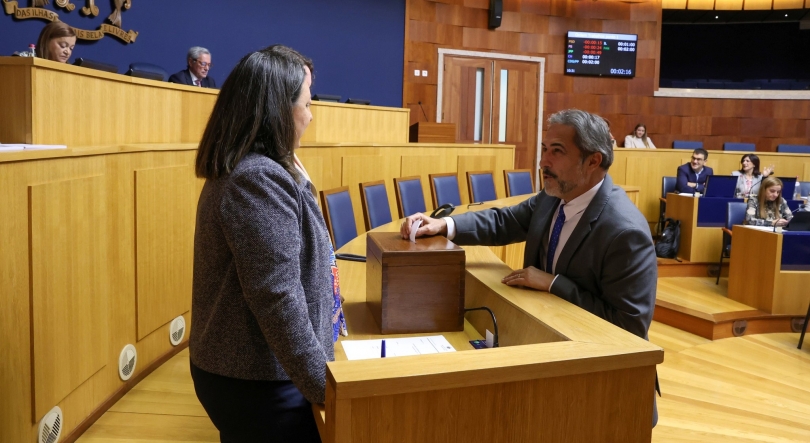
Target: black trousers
pixel 255 411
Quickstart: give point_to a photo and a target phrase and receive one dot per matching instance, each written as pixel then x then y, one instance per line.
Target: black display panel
pixel 606 55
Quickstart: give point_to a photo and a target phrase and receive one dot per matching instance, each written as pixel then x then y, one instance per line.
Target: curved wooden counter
pixel 562 374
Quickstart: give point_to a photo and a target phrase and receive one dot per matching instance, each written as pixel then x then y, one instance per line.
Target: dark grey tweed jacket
pixel 262 297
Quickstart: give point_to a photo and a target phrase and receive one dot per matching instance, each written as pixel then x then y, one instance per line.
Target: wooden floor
pixel 745 389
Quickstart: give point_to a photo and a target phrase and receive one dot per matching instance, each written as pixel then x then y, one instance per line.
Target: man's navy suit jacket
pixel 687 175
pixel 184 78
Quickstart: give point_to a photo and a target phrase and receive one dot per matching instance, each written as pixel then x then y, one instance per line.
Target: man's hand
pixel 692 185
pixel 430 226
pixel 530 277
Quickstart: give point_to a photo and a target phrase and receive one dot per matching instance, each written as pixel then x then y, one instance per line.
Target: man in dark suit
pixel 692 176
pixel 199 63
pixel 586 242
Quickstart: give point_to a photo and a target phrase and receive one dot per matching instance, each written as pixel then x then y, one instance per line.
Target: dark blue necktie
pixel 555 238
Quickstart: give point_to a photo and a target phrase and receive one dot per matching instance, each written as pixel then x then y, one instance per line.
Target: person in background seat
pixel 199 63
pixel 638 139
pixel 768 208
pixel 56 42
pixel 692 175
pixel 749 177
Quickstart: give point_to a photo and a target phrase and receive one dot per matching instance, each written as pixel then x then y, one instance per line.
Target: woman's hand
pixel 780 222
pixel 767 171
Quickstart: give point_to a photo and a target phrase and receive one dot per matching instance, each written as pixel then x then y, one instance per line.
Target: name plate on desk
pixel 414 287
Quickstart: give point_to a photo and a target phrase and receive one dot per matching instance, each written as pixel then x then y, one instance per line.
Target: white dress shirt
pixel 573 212
pixel 194 79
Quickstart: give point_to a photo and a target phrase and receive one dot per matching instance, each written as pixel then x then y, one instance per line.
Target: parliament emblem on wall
pixel 38 10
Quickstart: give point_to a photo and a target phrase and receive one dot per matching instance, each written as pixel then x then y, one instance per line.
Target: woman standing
pixel 768 208
pixel 263 293
pixel 638 139
pixel 749 177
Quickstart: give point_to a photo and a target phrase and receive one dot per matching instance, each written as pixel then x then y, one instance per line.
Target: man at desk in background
pixel 692 176
pixel 199 62
pixel 586 242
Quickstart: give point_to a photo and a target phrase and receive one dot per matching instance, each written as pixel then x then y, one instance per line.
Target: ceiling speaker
pixel 177 330
pixel 495 12
pixel 127 361
pixel 50 427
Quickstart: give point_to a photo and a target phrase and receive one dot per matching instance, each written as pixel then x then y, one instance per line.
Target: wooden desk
pixel 557 364
pixel 756 277
pixel 698 244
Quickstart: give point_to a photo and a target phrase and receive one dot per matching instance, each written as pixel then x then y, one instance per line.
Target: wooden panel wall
pixel 538 28
pixel 68 280
pixel 345 123
pixel 69 315
pixel 164 233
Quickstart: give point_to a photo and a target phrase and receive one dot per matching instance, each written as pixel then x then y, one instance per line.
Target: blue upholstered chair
pixel 481 185
pixel 794 149
pixel 374 199
pixel 735 215
pixel 339 215
pixel 745 147
pixel 147 70
pixel 410 199
pixel 518 182
pixel 686 144
pixel 444 189
pixel 667 186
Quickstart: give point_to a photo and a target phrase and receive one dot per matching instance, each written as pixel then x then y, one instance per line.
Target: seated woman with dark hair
pixel 56 42
pixel 749 177
pixel 265 298
pixel 768 208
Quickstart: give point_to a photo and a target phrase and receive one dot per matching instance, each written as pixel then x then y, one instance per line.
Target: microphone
pixel 423 110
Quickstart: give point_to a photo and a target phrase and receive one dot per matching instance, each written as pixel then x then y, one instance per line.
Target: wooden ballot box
pixel 414 287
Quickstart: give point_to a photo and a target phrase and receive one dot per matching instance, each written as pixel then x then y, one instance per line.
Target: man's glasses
pixel 204 64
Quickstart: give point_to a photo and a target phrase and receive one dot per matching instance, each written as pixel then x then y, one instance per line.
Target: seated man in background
pixel 199 62
pixel 692 176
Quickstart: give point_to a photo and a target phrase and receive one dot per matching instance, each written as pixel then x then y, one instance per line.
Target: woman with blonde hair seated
pixel 638 139
pixel 768 208
pixel 56 42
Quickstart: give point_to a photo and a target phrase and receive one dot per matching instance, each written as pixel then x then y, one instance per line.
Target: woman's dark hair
pixel 51 31
pixel 643 137
pixel 254 113
pixel 755 160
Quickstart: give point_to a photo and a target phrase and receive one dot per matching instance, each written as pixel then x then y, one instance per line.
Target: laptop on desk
pixel 800 222
pixel 720 186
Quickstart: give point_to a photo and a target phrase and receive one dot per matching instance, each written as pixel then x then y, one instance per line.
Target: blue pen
pixel 382 349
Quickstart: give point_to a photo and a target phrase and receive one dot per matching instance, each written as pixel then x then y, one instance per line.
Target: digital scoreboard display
pixel 607 55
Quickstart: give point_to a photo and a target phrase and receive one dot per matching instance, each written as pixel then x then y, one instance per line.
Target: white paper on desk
pixel 23 146
pixel 10 148
pixel 396 347
pixel 761 228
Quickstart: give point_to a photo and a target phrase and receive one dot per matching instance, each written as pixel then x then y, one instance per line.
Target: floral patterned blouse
pixel 773 211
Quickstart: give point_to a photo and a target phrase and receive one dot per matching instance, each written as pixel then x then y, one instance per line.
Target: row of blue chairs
pixel 746 147
pixel 756 84
pixel 339 212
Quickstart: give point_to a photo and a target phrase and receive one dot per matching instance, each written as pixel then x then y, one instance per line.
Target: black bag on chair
pixel 670 240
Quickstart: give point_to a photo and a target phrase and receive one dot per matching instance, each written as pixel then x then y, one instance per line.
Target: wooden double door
pixel 493 101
